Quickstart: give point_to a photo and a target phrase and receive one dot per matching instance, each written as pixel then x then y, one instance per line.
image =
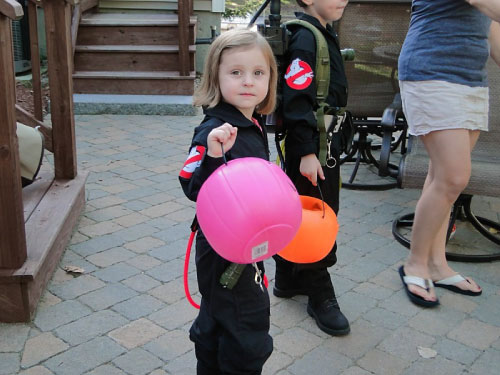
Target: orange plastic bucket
pixel 316 234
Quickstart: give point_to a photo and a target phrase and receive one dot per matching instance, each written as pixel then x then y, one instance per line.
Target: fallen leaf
pixel 73 269
pixel 493 231
pixel 426 352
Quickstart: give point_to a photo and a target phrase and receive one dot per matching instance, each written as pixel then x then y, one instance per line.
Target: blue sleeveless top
pixel 447 41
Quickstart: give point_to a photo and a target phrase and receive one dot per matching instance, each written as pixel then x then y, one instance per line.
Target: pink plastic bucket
pixel 248 210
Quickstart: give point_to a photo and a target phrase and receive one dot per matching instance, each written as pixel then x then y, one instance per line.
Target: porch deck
pixel 51 210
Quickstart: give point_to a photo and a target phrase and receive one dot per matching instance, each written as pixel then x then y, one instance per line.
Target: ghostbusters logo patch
pixel 193 161
pixel 299 75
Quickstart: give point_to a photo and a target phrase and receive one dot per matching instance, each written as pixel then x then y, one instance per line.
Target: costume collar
pixel 228 113
pixel 315 22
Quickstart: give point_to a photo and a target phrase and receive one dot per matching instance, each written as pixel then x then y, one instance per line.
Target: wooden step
pixel 129 58
pixel 131 19
pixel 132 48
pixel 133 82
pixel 127 35
pixel 134 4
pixel 131 29
pixel 132 53
pixel 133 75
pixel 160 105
pixel 157 5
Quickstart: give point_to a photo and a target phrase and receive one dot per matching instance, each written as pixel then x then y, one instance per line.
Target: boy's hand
pixel 225 134
pixel 310 168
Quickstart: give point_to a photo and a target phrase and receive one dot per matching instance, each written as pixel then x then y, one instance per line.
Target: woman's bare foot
pixel 444 272
pixel 428 295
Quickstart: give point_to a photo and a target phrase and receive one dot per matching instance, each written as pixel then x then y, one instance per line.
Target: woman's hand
pixel 225 134
pixel 310 168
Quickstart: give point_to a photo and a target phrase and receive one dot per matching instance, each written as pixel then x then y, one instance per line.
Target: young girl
pixel 231 332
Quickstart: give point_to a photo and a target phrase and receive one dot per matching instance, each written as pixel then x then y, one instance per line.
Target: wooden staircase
pixel 132 53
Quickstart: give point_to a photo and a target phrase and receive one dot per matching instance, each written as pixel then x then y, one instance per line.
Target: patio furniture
pixel 375 29
pixel 485 178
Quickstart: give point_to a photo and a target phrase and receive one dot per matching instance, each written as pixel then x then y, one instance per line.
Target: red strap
pixel 186 269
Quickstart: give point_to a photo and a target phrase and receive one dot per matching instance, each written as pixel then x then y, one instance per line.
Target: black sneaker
pixel 328 316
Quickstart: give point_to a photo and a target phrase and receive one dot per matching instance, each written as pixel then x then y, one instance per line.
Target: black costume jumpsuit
pixel 299 104
pixel 231 332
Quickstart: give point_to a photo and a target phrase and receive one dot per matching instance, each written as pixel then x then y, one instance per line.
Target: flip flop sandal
pixel 449 283
pixel 418 281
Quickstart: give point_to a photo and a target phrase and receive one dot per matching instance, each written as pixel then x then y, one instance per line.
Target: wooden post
pixel 60 61
pixel 35 61
pixel 12 231
pixel 184 17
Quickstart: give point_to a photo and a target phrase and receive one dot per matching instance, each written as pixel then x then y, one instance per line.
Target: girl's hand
pixel 225 134
pixel 310 168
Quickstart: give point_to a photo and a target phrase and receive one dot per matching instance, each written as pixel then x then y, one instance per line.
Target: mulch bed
pixel 24 98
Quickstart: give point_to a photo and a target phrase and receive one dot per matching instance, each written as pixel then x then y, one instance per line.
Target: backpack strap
pixel 323 138
pixel 322 71
pixel 322 80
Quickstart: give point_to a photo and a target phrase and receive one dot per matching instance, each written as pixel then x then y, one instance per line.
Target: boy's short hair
pixel 208 94
pixel 301 4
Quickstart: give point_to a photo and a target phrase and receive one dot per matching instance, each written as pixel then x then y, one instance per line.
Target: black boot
pixel 287 282
pixel 287 286
pixel 328 316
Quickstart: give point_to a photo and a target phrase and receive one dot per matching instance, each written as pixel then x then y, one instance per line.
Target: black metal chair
pixel 375 29
pixel 485 179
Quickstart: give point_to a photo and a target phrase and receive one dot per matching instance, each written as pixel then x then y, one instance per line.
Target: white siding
pixel 218 6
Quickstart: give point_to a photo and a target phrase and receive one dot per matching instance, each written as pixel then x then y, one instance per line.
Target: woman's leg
pixel 449 172
pixel 438 265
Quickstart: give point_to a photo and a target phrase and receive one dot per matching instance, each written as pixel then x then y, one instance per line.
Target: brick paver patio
pixel 127 314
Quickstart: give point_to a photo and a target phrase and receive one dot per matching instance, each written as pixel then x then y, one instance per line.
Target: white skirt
pixel 439 105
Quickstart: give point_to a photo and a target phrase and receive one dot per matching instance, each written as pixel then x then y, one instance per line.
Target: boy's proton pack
pixel 330 120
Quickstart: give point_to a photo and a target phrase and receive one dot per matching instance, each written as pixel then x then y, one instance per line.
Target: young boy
pixel 302 148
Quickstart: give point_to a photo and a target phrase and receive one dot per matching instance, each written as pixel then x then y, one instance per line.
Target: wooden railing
pixel 36 119
pixel 79 6
pixel 60 137
pixel 11 203
pixel 35 60
pixel 185 9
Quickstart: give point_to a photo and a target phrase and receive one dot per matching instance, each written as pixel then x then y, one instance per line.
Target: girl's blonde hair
pixel 208 94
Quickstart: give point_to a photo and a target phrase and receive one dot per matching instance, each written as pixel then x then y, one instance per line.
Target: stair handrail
pixel 26 118
pixel 79 7
pixel 75 22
